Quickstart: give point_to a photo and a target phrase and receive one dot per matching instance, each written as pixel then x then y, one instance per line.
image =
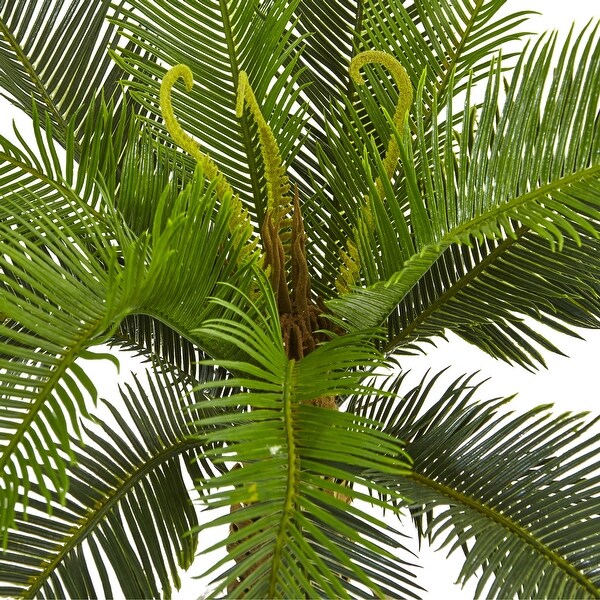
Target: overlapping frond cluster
pixel 238 38
pixel 449 39
pixel 69 278
pixel 499 185
pixel 298 510
pixel 428 214
pixel 101 535
pixel 41 64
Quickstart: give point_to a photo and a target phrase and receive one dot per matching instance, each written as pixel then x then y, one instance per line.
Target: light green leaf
pixel 308 452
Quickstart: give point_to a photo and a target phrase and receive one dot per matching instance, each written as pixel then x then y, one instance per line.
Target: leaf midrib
pixel 514 528
pixel 292 470
pixel 89 523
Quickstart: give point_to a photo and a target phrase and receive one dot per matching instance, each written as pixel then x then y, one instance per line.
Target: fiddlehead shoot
pixel 278 201
pixel 278 185
pixel 287 265
pixel 182 139
pixel 350 269
pixel 405 97
pixel 166 107
pixel 239 222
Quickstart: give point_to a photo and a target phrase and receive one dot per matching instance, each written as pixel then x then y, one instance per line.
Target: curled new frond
pixel 350 269
pixel 166 107
pixel 239 223
pixel 405 96
pixel 278 184
pixel 179 135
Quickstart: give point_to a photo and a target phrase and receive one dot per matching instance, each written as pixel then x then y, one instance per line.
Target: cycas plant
pixel 329 196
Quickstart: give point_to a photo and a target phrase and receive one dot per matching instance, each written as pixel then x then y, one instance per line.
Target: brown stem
pixel 300 275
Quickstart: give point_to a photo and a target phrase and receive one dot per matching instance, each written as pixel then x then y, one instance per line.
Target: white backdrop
pixel 571 383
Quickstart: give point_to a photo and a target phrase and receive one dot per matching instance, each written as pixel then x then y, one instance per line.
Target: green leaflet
pixel 292 440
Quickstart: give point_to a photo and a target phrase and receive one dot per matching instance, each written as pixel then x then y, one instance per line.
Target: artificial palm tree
pixel 329 196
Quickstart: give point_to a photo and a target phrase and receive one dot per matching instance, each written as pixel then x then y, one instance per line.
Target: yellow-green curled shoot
pixel 405 98
pixel 278 186
pixel 350 268
pixel 239 222
pixel 181 138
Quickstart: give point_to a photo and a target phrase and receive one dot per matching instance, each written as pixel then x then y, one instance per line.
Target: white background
pixel 571 383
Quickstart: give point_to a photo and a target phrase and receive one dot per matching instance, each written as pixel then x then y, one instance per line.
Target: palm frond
pixel 125 520
pixel 56 53
pixel 518 493
pixel 42 173
pixel 554 201
pixel 330 36
pixel 88 168
pixel 250 41
pixel 559 290
pixel 66 285
pixel 61 310
pixel 150 338
pixel 327 35
pixel 299 534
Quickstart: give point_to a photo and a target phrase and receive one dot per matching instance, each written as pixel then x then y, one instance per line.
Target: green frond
pixel 301 536
pixel 152 339
pixel 60 72
pixel 460 292
pixel 554 203
pixel 330 31
pixel 123 524
pixel 518 493
pixel 150 175
pixel 248 41
pixel 327 33
pixel 42 172
pixel 447 36
pixel 66 290
pixel 194 228
pixel 60 306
